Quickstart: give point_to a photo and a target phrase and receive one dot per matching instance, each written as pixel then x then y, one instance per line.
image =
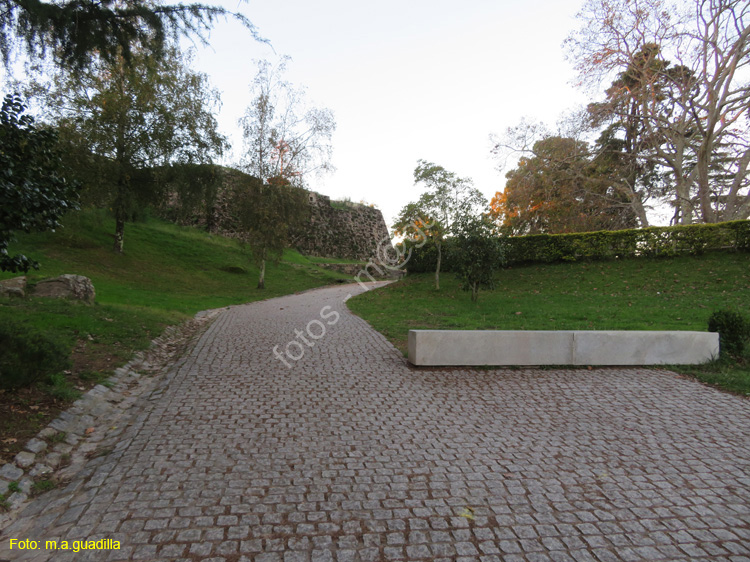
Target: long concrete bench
pixel 572 347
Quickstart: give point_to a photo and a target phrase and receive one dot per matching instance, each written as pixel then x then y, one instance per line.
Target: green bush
pixel 655 241
pixel 28 356
pixel 476 254
pixel 734 331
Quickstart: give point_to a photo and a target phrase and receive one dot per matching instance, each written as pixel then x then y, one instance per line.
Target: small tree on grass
pixel 446 199
pixel 265 215
pixel 126 118
pixel 478 254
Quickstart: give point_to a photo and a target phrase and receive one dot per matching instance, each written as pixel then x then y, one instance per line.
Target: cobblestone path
pixel 349 454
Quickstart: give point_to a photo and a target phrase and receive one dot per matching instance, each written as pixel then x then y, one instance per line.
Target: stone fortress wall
pixel 343 230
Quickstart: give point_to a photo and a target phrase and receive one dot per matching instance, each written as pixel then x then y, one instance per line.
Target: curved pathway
pixel 339 451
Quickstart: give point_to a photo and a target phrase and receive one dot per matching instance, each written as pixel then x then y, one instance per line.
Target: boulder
pixel 66 287
pixel 15 287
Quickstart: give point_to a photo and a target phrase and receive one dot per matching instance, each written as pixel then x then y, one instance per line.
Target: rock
pixel 10 472
pixel 47 433
pixel 40 469
pixel 66 286
pixel 53 460
pixel 36 446
pixel 25 485
pixel 24 459
pixel 63 448
pixel 17 499
pixel 15 287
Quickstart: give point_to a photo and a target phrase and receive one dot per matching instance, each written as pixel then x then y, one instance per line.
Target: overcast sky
pixel 405 80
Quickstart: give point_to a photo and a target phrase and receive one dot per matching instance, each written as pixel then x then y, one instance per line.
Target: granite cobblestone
pixel 349 454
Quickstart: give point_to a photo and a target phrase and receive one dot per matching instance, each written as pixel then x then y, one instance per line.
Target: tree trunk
pixel 640 212
pixel 262 278
pixel 437 269
pixel 119 234
pixel 474 292
pixel 704 191
pixel 684 205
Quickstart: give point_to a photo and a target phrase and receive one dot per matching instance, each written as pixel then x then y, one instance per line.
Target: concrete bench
pixel 571 347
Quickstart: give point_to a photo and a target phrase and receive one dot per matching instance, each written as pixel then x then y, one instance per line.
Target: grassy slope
pixel 165 267
pixel 166 275
pixel 641 294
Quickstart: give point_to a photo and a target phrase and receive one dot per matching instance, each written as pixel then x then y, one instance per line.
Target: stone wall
pixel 347 230
pixel 344 230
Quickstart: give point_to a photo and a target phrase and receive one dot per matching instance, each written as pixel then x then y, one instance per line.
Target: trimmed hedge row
pixel 655 241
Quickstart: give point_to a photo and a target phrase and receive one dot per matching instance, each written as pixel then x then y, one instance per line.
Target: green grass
pixel 638 294
pixel 41 486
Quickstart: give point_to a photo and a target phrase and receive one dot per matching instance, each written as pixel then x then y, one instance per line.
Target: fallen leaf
pixel 10 440
pixel 467 512
pixel 89 431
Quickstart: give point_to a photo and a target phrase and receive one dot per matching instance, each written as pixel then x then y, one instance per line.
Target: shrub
pixel 28 356
pixel 734 331
pixel 476 255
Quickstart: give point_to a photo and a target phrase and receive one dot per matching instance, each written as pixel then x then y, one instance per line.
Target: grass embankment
pixel 166 275
pixel 636 294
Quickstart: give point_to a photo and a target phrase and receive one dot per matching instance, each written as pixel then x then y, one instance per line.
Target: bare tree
pixel 680 77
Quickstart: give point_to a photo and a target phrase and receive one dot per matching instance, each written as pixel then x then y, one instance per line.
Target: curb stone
pixel 95 421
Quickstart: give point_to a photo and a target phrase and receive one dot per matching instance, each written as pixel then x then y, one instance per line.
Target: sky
pixel 406 80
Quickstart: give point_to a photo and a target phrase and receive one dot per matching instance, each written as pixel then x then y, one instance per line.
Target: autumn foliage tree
pixel 558 188
pixel 286 141
pixel 284 137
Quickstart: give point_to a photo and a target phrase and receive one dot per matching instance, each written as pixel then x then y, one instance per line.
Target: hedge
pixel 655 241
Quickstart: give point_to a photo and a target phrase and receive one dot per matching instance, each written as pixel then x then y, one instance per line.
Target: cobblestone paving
pixel 349 454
